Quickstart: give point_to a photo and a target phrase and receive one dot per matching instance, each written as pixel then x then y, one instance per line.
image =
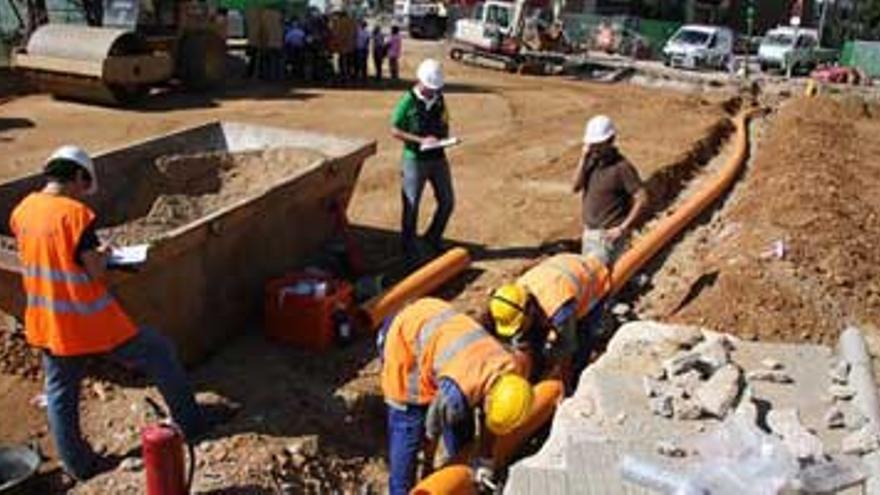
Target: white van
pixel 699 46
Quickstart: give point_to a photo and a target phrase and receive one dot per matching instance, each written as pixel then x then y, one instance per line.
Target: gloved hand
pixel 484 475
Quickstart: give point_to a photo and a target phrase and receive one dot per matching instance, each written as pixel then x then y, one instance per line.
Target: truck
pixel 696 46
pixel 424 19
pixel 792 50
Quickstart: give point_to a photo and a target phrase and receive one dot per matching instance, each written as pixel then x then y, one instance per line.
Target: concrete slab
pixel 588 440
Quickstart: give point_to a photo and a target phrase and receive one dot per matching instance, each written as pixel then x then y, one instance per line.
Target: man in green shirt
pixel 419 120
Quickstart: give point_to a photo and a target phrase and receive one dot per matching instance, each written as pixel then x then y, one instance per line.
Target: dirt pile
pixel 793 256
pixel 183 188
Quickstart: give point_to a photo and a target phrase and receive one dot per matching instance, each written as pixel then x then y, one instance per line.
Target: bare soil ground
pixel 792 256
pixel 521 139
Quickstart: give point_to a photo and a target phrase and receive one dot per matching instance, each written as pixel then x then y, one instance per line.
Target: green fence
pixel 862 54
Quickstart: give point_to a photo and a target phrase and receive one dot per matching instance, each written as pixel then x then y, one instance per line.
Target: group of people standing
pixel 337 48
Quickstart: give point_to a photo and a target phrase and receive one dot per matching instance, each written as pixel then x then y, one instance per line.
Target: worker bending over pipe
pixel 539 314
pixel 443 375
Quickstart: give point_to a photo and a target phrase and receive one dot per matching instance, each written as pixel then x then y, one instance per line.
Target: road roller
pixel 134 50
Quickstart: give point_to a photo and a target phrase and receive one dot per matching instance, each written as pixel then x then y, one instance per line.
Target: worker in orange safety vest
pixel 540 313
pixel 440 371
pixel 70 313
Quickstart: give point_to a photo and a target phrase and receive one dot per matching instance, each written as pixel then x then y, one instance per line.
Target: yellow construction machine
pixel 139 45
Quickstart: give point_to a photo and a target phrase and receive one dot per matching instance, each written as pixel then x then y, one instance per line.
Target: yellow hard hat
pixel 508 309
pixel 508 403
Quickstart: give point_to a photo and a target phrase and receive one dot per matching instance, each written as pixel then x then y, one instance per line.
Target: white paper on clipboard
pixel 443 143
pixel 128 255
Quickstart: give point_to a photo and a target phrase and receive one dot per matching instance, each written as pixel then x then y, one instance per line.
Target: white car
pixel 696 46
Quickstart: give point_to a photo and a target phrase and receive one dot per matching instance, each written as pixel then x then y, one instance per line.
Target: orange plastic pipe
pixel 451 480
pixel 666 229
pixel 547 397
pixel 460 478
pixel 548 393
pixel 419 283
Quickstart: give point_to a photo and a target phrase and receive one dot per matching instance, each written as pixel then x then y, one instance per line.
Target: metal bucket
pixel 17 465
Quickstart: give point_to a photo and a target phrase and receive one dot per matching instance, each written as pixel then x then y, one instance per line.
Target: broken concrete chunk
pixel 658 374
pixel 661 406
pixel 621 309
pixel 839 373
pixel 620 418
pixel 651 387
pixel 714 352
pixel 803 444
pixel 687 337
pixel 772 364
pixel 842 392
pixel 686 384
pixel 670 449
pixel 682 363
pixel 834 418
pixel 862 441
pixel 131 464
pixel 772 376
pixel 686 409
pixel 721 391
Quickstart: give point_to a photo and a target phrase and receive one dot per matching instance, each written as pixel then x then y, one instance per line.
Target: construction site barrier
pixel 454 479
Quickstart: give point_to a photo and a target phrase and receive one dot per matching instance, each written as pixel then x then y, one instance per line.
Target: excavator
pixel 137 45
pixel 500 33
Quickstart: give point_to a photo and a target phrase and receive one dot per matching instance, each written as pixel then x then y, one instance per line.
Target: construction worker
pixel 421 118
pixel 613 196
pixel 539 314
pixel 70 313
pixel 441 374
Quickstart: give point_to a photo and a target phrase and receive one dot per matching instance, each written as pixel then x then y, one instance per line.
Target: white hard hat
pixel 430 74
pixel 78 156
pixel 599 129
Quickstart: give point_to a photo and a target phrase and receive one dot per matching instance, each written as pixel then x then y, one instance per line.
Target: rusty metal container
pixel 203 280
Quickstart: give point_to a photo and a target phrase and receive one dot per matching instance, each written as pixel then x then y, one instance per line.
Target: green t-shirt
pixel 406 118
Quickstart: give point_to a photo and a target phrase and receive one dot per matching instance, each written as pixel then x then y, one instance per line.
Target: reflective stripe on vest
pixel 571 276
pixel 60 306
pixel 56 275
pixel 424 337
pixel 458 345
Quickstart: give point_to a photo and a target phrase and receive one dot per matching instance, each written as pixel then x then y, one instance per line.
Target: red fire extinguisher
pixel 162 446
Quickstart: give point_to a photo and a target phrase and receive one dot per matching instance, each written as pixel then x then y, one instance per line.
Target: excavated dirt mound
pixel 793 256
pixel 182 188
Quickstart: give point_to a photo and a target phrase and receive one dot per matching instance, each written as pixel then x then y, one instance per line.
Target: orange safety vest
pixel 566 277
pixel 68 313
pixel 429 339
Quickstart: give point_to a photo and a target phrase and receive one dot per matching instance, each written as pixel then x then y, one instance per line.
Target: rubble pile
pixel 706 411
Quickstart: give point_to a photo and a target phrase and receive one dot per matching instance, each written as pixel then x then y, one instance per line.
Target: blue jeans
pixel 148 351
pixel 406 433
pixel 415 174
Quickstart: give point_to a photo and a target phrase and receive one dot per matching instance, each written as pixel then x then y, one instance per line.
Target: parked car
pixel 696 46
pixel 792 49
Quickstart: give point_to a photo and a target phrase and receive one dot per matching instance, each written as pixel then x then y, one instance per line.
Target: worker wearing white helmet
pixel 613 195
pixel 70 314
pixel 420 120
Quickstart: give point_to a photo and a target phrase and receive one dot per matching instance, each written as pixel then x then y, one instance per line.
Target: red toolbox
pixel 303 309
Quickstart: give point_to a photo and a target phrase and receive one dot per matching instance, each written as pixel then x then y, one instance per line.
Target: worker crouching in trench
pixel 552 314
pixel 445 380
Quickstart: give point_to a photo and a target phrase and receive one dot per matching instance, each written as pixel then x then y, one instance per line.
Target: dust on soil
pixel 512 181
pixel 793 255
pixel 183 188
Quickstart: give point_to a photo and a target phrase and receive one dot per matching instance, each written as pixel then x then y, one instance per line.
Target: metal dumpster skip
pixel 203 279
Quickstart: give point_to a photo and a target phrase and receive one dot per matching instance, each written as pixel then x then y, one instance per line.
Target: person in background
pixel 294 48
pixel 71 315
pixel 395 50
pixel 379 49
pixel 421 119
pixel 612 194
pixel 362 51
